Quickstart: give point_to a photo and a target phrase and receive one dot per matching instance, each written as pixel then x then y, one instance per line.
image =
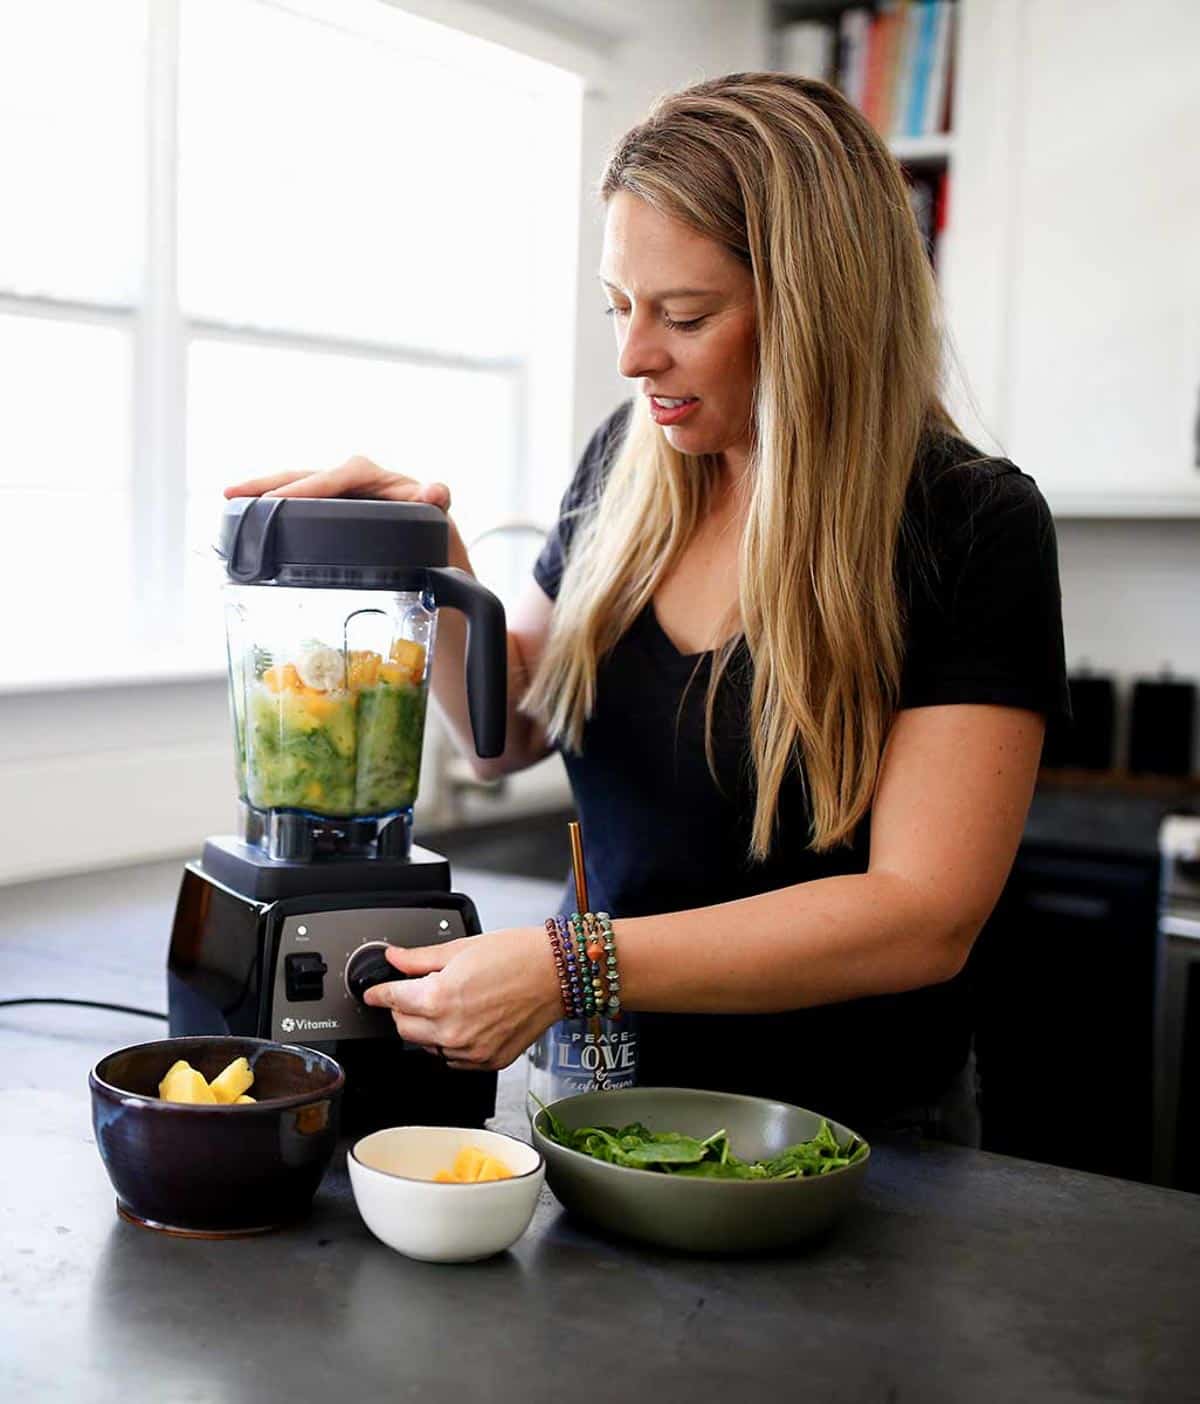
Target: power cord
pixel 87 1004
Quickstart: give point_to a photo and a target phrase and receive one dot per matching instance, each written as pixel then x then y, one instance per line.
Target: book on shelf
pixel 895 62
pixel 928 195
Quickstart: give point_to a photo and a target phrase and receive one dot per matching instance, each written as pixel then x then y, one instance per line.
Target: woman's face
pixel 683 308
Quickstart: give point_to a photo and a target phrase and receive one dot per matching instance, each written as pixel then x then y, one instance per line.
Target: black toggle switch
pixel 304 976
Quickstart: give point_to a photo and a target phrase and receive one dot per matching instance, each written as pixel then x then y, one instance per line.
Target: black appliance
pixel 331 619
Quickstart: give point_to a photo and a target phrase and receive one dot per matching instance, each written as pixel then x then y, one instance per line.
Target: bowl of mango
pixel 445 1194
pixel 215 1137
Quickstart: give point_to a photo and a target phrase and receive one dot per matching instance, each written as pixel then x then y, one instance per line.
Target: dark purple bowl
pixel 216 1170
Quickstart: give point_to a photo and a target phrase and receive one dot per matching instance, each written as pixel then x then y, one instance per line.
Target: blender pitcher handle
pixel 487 653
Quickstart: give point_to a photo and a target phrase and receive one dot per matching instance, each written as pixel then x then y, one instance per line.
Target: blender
pixel 331 622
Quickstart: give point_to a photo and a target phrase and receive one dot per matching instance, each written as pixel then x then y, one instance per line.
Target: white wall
pixel 1131 601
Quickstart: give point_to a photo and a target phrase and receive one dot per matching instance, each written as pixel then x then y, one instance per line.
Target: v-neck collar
pixel 659 642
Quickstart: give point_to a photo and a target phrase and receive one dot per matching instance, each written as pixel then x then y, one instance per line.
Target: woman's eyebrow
pixel 669 292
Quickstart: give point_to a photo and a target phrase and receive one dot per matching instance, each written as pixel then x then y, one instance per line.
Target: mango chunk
pixel 364 668
pixel 229 1085
pixel 285 679
pixel 394 675
pixel 471 1167
pixel 245 1098
pixel 184 1084
pixel 410 656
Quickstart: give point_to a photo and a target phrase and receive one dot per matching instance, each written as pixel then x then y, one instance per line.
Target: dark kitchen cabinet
pixel 1063 983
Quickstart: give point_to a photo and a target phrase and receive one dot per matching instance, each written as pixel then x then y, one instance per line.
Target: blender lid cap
pixel 342 541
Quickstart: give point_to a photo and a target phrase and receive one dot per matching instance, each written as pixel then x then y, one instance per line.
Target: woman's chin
pixel 688 438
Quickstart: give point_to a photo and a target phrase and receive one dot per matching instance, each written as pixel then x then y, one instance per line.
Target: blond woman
pixel 795 639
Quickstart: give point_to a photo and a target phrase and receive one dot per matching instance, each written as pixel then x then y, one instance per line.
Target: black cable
pixel 87 1004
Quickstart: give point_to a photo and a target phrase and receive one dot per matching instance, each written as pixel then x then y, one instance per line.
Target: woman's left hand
pixel 480 1001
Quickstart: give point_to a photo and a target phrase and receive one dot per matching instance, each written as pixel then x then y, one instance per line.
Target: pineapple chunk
pixel 245 1097
pixel 184 1084
pixel 229 1085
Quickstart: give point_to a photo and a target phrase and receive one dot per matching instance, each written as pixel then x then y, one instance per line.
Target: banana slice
pixel 322 668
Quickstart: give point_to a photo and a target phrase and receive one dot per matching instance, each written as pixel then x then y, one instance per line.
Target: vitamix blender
pixel 331 619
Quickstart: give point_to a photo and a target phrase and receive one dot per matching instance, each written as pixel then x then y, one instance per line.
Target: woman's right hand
pixel 357 477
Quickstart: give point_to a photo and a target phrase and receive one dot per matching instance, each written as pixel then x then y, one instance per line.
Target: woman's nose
pixel 643 351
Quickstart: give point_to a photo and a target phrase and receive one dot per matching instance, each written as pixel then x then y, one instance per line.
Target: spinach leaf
pixel 672 1153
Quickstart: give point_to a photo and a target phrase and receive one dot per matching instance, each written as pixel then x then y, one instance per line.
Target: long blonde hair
pixel 785 174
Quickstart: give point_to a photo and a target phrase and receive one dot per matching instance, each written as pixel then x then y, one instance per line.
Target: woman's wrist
pixel 583 957
pixel 544 983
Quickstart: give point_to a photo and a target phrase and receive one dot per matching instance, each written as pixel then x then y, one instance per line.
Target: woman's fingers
pixel 423 960
pixel 403 997
pixel 256 487
pixel 357 477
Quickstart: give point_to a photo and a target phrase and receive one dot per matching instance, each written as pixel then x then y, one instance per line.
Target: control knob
pixel 369 966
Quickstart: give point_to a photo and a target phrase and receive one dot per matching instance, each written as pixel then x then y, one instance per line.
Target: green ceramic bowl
pixel 698 1216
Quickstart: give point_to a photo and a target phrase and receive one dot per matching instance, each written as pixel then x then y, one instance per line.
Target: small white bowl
pixel 391 1173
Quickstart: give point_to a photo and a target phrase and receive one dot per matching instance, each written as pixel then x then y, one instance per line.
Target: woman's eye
pixel 690 325
pixel 616 311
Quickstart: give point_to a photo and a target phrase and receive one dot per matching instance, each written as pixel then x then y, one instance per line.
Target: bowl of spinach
pixel 705 1172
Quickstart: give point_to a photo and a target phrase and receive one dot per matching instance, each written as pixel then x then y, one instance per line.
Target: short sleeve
pixel 584 490
pixel 984 602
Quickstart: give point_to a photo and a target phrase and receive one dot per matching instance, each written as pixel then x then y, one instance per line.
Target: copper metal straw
pixel 581 906
pixel 581 897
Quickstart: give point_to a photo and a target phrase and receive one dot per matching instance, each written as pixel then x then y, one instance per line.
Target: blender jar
pixel 328 695
pixel 329 666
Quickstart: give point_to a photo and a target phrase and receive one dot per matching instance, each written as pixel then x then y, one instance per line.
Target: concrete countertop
pixel 961 1276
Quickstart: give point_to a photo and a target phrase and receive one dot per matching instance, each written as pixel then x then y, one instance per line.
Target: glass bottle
pixel 599 1054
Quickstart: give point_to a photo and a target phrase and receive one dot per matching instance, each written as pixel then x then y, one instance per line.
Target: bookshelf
pixel 1069 291
pixel 893 58
pixel 896 60
pixel 935 149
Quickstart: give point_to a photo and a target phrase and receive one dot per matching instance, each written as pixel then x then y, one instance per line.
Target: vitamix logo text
pixel 290 1025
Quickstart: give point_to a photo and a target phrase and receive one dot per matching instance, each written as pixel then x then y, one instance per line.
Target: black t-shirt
pixel 978 576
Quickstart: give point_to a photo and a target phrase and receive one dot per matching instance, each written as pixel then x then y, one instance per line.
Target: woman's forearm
pixel 819 942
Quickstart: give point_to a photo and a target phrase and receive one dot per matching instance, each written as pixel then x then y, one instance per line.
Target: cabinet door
pixel 1087 211
pixel 1063 986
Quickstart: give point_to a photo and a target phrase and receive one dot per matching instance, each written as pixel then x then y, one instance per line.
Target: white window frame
pixel 161 336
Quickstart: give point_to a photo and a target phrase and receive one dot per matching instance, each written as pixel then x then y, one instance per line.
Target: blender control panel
pixel 326 959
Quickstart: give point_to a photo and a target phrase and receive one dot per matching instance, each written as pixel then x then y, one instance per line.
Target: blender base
pixel 262 948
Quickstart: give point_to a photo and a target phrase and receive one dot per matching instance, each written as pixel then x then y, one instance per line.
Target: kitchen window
pixel 243 235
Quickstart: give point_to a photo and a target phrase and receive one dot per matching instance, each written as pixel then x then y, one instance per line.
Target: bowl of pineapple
pixel 215 1136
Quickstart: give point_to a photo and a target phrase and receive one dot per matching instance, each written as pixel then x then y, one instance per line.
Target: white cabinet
pixel 1073 268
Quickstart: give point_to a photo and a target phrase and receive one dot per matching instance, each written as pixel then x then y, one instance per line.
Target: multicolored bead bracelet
pixel 585 960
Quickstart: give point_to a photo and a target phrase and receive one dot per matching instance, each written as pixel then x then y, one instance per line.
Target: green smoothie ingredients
pixel 668 1152
pixel 334 733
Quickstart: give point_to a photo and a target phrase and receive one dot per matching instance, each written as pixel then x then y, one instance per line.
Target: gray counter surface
pixel 961 1276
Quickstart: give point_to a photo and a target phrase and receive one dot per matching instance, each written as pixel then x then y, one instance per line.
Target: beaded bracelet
pixel 560 967
pixel 566 967
pixel 574 969
pixel 585 961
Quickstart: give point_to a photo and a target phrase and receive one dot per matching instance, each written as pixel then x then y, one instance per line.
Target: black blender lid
pixel 330 541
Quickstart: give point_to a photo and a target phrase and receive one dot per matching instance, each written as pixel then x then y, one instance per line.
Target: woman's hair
pixel 788 176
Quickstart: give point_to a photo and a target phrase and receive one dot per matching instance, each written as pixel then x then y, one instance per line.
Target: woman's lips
pixel 670 409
